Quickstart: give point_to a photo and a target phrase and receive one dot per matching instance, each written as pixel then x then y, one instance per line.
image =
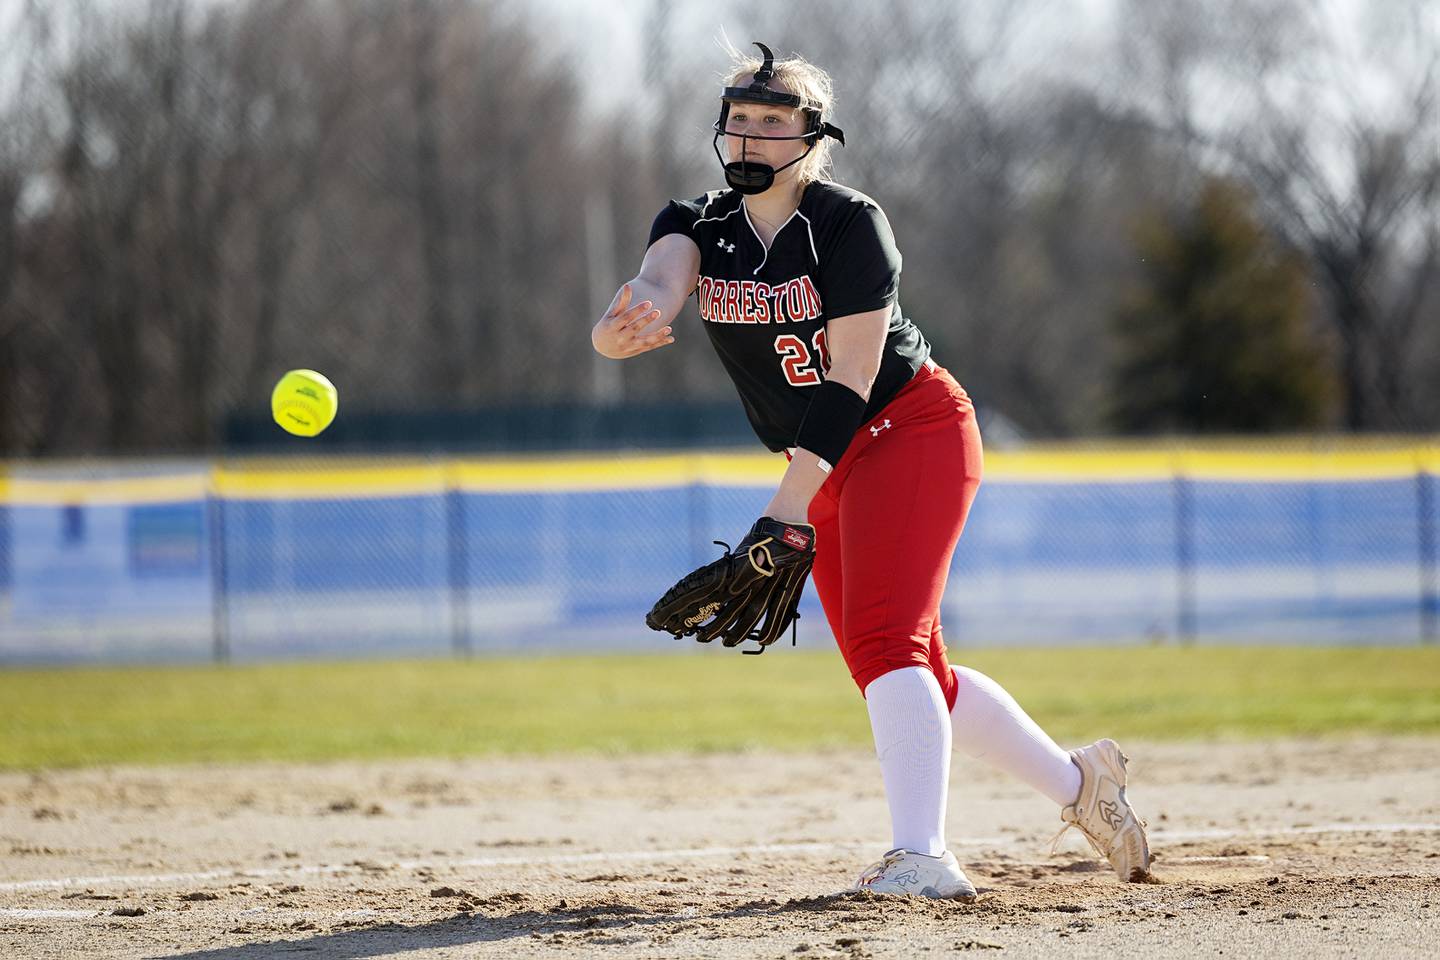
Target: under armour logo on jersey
pixel 727 247
pixel 875 431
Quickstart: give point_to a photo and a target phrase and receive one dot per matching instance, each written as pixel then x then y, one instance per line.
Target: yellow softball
pixel 304 402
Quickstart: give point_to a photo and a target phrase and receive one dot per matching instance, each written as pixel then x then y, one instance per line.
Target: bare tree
pixel 310 86
pixel 432 209
pixel 278 183
pixel 19 133
pixel 1350 179
pixel 519 170
pixel 196 196
pixel 111 160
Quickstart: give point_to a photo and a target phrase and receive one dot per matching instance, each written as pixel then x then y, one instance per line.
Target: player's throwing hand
pixel 621 331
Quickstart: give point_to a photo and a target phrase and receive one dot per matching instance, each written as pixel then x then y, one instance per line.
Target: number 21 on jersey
pixel 797 361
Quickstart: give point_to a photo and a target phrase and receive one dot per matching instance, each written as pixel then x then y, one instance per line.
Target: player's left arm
pixel 856 343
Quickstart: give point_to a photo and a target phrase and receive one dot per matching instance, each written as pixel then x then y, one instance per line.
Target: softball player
pixel 797 280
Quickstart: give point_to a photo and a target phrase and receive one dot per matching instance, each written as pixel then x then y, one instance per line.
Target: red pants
pixel 886 524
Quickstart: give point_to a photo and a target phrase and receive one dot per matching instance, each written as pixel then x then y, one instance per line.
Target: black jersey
pixel 765 311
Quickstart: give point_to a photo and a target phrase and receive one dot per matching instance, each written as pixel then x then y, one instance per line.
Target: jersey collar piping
pixel 774 239
pixel 811 232
pixel 714 219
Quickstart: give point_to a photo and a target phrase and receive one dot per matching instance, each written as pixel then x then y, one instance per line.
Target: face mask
pixel 751 176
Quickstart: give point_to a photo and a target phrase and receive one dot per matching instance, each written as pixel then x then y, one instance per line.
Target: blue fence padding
pixel 1348 552
pixel 6 575
pixel 1428 490
pixel 322 545
pixel 1023 525
pixel 1053 563
pixel 1241 524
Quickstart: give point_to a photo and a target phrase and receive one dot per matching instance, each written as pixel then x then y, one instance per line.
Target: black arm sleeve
pixel 677 217
pixel 862 272
pixel 834 415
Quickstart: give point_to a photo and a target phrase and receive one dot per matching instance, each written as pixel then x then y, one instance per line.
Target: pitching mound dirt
pixel 1287 849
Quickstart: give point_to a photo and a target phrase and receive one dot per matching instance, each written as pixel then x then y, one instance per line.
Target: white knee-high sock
pixel 912 740
pixel 989 725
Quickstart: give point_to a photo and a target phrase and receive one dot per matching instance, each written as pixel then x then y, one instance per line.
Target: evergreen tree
pixel 1216 336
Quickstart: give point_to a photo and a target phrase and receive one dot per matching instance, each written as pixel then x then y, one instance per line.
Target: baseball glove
pixel 750 593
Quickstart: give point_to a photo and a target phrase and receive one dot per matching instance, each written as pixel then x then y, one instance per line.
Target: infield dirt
pixel 1312 849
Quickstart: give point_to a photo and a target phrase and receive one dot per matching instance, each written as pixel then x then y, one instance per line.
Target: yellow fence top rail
pixel 331 477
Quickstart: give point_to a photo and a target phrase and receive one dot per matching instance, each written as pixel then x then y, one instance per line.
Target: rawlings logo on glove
pixel 750 593
pixel 706 612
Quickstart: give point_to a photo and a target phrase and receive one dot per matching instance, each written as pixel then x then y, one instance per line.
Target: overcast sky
pixel 1070 39
pixel 1074 39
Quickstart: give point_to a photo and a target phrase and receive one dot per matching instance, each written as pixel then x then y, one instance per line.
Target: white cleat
pixel 906 872
pixel 1104 815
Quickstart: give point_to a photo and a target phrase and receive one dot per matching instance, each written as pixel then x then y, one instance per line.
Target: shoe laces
pixel 1094 844
pixel 878 868
pixel 1089 838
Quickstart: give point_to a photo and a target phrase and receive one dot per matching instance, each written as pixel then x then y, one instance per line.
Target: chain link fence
pixel 247 560
pixel 1120 217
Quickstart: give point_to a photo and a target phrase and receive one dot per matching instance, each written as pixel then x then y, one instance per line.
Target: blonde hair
pixel 793 74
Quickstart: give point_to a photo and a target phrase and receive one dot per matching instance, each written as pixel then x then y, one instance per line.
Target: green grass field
pixel 787 700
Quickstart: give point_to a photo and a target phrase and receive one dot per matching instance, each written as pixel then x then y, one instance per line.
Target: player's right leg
pixel 902 506
pixel 907 872
pixel 910 722
pixel 826 573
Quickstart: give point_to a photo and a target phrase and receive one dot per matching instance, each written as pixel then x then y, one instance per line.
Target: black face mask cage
pixel 749 176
